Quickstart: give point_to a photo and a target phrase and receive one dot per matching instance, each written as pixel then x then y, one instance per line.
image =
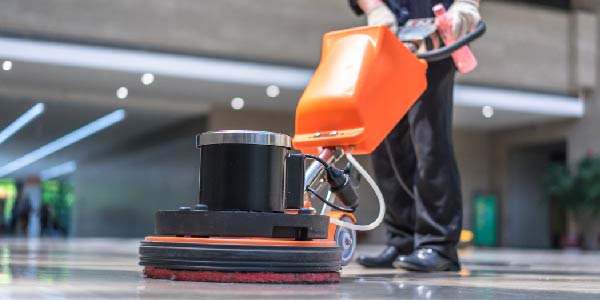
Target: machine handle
pixel 446 51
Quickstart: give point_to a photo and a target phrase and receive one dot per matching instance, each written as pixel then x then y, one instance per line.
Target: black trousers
pixel 421 145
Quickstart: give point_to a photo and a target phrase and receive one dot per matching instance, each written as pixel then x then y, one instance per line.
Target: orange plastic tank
pixel 365 83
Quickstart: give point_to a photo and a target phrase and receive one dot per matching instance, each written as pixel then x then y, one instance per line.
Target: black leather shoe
pixel 425 260
pixel 383 260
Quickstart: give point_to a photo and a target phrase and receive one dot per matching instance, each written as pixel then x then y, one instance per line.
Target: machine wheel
pixel 346 239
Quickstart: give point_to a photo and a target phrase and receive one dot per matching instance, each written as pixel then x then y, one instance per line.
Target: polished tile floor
pixel 107 269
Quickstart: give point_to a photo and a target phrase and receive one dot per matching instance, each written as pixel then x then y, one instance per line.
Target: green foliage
pixel 578 189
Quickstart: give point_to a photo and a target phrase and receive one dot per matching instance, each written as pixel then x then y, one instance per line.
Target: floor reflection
pixel 107 269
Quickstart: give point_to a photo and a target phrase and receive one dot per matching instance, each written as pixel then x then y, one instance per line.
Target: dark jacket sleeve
pixel 395 5
pixel 355 8
pixel 406 9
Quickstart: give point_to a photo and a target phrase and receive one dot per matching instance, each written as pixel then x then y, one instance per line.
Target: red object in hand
pixel 464 59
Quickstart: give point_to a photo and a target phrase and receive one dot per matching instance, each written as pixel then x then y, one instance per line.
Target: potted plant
pixel 578 192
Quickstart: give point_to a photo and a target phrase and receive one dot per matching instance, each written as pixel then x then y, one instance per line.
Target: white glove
pixel 379 14
pixel 464 15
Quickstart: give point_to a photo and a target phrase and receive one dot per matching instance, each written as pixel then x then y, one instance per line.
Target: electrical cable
pixel 378 193
pixel 324 163
pixel 340 208
pixel 446 51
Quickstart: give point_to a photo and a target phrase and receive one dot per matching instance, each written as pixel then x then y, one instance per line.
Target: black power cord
pixel 446 51
pixel 340 208
pixel 320 160
pixel 340 185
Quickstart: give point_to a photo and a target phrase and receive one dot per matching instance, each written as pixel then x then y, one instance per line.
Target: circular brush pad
pixel 242 277
pixel 240 262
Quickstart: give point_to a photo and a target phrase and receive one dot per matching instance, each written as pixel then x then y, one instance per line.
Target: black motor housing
pixel 244 170
pixel 248 179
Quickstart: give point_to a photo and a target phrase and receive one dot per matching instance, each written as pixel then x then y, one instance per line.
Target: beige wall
pixel 584 135
pixel 473 154
pixel 586 38
pixel 581 137
pixel 502 142
pixel 526 46
pixel 530 39
pixel 267 30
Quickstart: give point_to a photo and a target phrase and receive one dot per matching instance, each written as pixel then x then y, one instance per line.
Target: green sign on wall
pixel 484 220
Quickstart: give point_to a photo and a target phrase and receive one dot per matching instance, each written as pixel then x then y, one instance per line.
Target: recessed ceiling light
pixel 487 111
pixel 272 91
pixel 147 78
pixel 7 65
pixel 122 92
pixel 159 64
pixel 237 103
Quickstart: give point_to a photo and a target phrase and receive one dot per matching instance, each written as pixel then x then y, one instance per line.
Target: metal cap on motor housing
pixel 265 138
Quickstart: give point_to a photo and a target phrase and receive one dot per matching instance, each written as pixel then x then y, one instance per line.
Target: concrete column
pixel 583 136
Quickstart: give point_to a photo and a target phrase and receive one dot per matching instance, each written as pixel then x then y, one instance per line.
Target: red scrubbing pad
pixel 242 277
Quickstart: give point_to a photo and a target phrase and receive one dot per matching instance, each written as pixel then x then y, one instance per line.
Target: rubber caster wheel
pixel 346 239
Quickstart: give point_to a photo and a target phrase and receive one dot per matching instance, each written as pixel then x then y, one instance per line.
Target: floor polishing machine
pixel 254 220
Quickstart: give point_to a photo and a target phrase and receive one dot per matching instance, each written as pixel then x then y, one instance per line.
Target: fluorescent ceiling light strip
pixel 20 122
pixel 228 71
pixel 519 101
pixel 65 141
pixel 59 170
pixel 181 66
